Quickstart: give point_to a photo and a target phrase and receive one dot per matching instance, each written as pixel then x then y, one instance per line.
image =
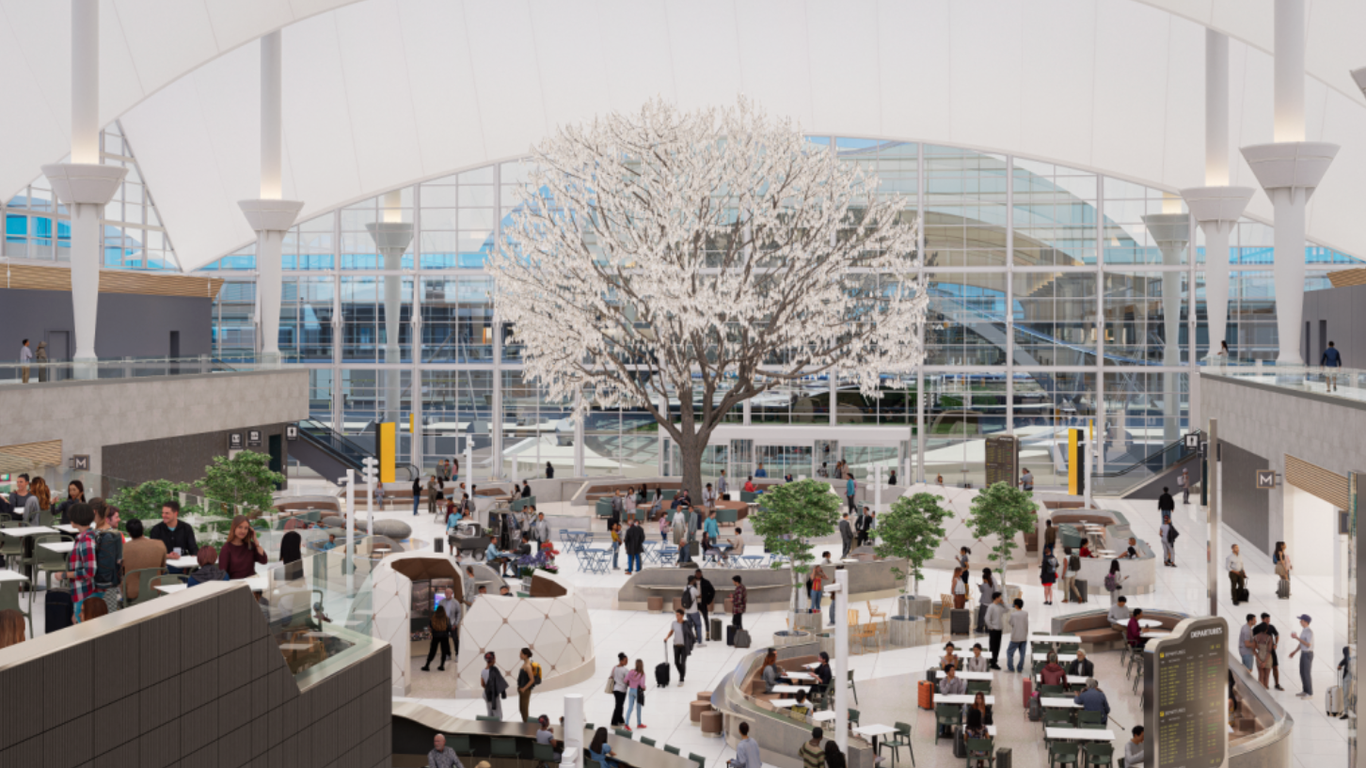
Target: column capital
pixel 1169 229
pixel 1223 203
pixel 1359 75
pixel 1290 164
pixel 84 183
pixel 270 215
pixel 391 237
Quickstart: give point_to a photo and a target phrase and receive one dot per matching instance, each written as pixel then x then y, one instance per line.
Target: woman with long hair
pixel 979 703
pixel 988 593
pixel 1281 560
pixel 75 494
pixel 635 694
pixel 39 501
pixel 441 638
pixel 241 551
pixel 834 758
pixel 960 589
pixel 600 750
pixel 11 627
pixel 1048 574
pixel 1114 582
pixel 109 556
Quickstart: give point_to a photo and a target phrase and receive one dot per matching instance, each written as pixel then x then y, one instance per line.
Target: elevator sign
pixel 1185 695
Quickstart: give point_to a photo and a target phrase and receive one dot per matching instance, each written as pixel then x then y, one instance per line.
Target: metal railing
pixel 37 373
pixel 1123 479
pixel 1346 383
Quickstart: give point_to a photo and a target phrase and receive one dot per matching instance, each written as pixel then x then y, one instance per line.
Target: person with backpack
pixel 1168 534
pixel 1048 574
pixel 692 608
pixel 635 695
pixel 1071 566
pixel 681 634
pixel 706 594
pixel 528 677
pixel 108 556
pixel 441 638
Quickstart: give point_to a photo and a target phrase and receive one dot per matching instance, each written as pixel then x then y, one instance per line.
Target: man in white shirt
pixel 693 612
pixel 1119 612
pixel 25 358
pixel 1305 649
pixel 709 497
pixel 1237 576
pixel 1245 646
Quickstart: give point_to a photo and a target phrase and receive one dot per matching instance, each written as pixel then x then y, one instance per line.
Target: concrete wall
pixel 1344 310
pixel 192 679
pixel 129 325
pixel 88 415
pixel 184 457
pixel 1318 428
pixel 1245 507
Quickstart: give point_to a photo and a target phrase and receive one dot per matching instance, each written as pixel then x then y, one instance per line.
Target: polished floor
pixel 884 679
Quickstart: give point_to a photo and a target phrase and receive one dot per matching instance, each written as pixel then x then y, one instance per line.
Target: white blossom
pixel 718 248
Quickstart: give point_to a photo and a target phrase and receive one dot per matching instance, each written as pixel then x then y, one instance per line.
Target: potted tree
pixel 1002 510
pixel 788 517
pixel 911 529
pixel 244 484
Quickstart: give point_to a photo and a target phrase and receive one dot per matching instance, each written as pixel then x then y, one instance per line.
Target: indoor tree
pixel 1002 510
pixel 702 258
pixel 143 501
pixel 912 529
pixel 243 481
pixel 789 517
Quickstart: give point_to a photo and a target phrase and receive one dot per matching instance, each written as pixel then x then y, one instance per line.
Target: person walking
pixel 635 546
pixel 995 620
pixel 495 686
pixel 846 535
pixel 1237 574
pixel 1050 534
pixel 1246 648
pixel 1305 648
pixel 526 680
pixel 635 695
pixel 746 752
pixel 1114 582
pixel 417 494
pixel 1184 483
pixel 1164 533
pixel 25 360
pixel 1331 358
pixel 619 687
pixel 1071 566
pixel 1019 637
pixel 1165 503
pixel 441 638
pixel 1280 560
pixel 1048 574
pixel 986 594
pixel 1133 749
pixel 1273 641
pixel 849 487
pixel 679 631
pixel 692 609
pixel 738 599
pixel 959 588
pixel 811 752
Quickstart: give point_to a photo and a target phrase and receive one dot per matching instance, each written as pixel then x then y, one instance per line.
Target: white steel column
pixel 269 215
pixel 83 184
pixel 841 598
pixel 1216 206
pixel 1171 231
pixel 1289 170
pixel 572 754
pixel 392 235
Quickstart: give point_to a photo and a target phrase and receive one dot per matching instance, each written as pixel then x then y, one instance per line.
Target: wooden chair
pixel 874 615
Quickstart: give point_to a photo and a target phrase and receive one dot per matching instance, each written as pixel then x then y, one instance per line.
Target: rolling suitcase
pixel 741 639
pixel 662 670
pixel 1283 589
pixel 925 694
pixel 1081 590
pixel 960 745
pixel 1240 595
pixel 960 621
pixel 932 675
pixel 1028 691
pixel 1333 704
pixel 59 609
pixel 1003 757
pixel 730 635
pixel 715 631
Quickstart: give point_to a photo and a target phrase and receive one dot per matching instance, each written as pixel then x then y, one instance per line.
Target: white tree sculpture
pixel 718 250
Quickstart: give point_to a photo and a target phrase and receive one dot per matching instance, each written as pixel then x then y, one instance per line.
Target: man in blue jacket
pixel 1331 359
pixel 1093 699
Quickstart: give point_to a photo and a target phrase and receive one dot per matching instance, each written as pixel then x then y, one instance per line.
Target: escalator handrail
pixel 1179 445
pixel 334 442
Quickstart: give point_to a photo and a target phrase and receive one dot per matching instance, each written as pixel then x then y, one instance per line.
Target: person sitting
pixel 1133 633
pixel 1052 672
pixel 979 703
pixel 749 485
pixel 949 659
pixel 600 750
pixel 1085 548
pixel 952 684
pixel 547 737
pixel 208 568
pixel 771 673
pixel 1093 698
pixel 493 557
pixel 1081 666
pixel 977 662
pixel 505 591
pixel 801 708
pixel 1119 612
pixel 976 729
pixel 823 673
pixel 441 755
pixel 1133 749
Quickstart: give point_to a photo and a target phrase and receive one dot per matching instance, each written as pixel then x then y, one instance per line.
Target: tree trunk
pixel 690 450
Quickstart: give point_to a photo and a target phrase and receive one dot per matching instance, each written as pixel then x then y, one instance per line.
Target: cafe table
pixel 1079 734
pixel 874 730
pixel 961 698
pixel 791 688
pixel 185 561
pixel 1055 702
pixel 169 589
pixel 1063 658
pixel 64 547
pixel 979 676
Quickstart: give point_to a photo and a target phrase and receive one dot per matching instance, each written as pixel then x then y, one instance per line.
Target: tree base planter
pixel 1012 592
pixel 809 622
pixel 913 605
pixel 907 631
pixel 786 637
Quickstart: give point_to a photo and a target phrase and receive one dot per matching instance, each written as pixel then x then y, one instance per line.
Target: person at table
pixel 979 703
pixel 494 557
pixel 1052 672
pixel 952 684
pixel 802 708
pixel 1081 666
pixel 179 539
pixel 977 662
pixel 546 736
pixel 504 591
pixel 1119 612
pixel 1085 549
pixel 81 561
pixel 600 751
pixel 746 752
pixel 772 674
pixel 18 498
pixel 241 551
pixel 976 729
pixel 75 493
pixel 823 673
pixel 38 502
pixel 208 566
pixel 1133 632
pixel 1133 749
pixel 749 485
pixel 737 545
pixel 949 659
pixel 108 555
pixel 1093 698
pixel 811 753
pixel 138 553
pixel 441 755
pixel 452 525
pixel 1131 552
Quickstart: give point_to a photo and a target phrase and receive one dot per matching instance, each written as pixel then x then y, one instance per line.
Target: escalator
pixel 1142 475
pixel 330 453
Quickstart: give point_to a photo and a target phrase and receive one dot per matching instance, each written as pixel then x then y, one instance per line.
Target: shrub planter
pixel 913 605
pixel 785 637
pixel 907 631
pixel 810 622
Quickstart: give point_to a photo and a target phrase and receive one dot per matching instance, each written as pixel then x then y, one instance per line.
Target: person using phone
pixel 241 551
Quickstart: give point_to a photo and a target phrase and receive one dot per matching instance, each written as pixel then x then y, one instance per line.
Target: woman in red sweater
pixel 241 551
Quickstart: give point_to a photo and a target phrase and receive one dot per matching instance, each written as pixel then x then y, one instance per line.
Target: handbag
pixel 611 683
pixel 640 696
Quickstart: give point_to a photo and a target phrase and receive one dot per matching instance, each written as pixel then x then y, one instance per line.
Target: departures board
pixel 1185 696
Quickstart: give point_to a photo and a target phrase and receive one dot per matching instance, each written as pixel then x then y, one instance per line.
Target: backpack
pixel 1073 563
pixel 687 598
pixel 1172 533
pixel 536 672
pixel 106 559
pixel 1035 708
pixel 1109 582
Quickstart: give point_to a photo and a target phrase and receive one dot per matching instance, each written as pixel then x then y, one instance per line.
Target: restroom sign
pixel 1266 479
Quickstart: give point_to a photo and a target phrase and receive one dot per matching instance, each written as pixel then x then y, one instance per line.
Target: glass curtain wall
pixel 1051 306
